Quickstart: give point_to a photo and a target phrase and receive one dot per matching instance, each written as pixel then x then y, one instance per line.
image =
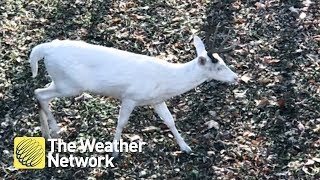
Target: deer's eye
pixel 219 68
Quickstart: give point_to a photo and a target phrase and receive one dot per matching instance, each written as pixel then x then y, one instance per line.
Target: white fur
pixel 76 67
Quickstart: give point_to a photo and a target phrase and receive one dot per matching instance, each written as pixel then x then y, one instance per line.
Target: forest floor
pixel 267 127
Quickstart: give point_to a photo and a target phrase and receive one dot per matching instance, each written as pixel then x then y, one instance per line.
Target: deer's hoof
pixel 186 149
pixel 54 134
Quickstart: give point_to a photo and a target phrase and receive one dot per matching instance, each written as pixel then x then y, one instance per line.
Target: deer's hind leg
pixel 44 96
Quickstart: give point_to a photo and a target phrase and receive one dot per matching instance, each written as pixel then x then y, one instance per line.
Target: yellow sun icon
pixel 29 152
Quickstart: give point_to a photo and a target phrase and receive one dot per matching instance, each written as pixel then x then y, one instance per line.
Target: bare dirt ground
pixel 268 125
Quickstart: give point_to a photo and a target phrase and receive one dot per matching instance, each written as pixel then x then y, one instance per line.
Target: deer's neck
pixel 187 76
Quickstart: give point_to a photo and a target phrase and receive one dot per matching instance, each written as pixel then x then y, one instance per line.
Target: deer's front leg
pixel 164 113
pixel 126 108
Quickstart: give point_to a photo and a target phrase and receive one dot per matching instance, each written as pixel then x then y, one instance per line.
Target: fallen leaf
pixel 316 159
pixel 210 153
pixel 255 142
pixel 84 96
pixel 212 124
pixel 301 126
pixel 238 94
pixel 306 170
pixel 307 3
pixel 137 17
pixel 245 78
pixel 281 102
pixel 294 164
pixel 317 37
pixel 150 129
pixel 317 128
pixel 260 5
pixel 262 103
pixel 132 137
pixel 302 15
pixel 270 60
pixel 248 134
pixel 213 113
pixel 293 9
pixel 116 20
pixel 11 168
pixel 309 162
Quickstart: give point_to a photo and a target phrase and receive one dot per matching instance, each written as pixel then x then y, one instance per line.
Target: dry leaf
pixel 316 37
pixel 306 170
pixel 307 3
pixel 316 159
pixel 116 20
pixel 309 162
pixel 255 142
pixel 301 126
pixel 302 15
pixel 262 103
pixel 238 94
pixel 245 78
pixel 137 17
pixel 84 96
pixel 213 113
pixel 212 124
pixel 176 19
pixel 132 137
pixel 317 128
pixel 150 129
pixel 260 5
pixel 270 60
pixel 293 9
pixel 294 164
pixel 281 102
pixel 248 134
pixel 210 153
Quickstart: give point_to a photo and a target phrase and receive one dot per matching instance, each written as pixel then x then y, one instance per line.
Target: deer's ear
pixel 198 44
pixel 202 60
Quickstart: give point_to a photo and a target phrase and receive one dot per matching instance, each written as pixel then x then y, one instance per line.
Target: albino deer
pixel 76 67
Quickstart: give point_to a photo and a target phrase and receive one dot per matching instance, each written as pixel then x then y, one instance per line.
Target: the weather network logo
pixel 29 152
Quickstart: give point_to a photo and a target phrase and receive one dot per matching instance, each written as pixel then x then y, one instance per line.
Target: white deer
pixel 76 67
